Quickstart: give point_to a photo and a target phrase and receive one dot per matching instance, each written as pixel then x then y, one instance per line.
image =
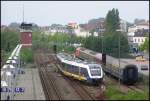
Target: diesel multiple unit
pixel 78 69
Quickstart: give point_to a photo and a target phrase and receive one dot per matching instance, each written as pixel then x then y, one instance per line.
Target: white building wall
pixel 78 32
pixel 142 27
pixel 139 40
pixel 135 28
pixel 95 33
pixel 131 34
pixel 123 25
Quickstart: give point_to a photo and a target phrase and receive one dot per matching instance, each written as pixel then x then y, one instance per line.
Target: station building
pixel 26 35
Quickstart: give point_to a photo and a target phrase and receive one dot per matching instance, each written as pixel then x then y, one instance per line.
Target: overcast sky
pixel 62 12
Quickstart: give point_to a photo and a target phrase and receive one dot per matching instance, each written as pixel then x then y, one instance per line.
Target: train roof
pixel 3 83
pixel 72 60
pixel 8 66
pixel 109 59
pixel 87 51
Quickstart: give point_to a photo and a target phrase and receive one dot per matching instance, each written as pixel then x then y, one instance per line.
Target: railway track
pixel 135 88
pixel 126 87
pixel 50 89
pixel 55 88
pixel 47 94
pixel 80 90
pixel 75 85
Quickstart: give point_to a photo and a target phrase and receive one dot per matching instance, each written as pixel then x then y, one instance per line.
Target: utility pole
pixel 23 13
pixel 102 42
pixel 119 30
pixel 119 55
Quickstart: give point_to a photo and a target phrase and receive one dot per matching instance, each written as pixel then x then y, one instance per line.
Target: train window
pixel 83 71
pixel 74 69
pixel 94 67
pixel 95 71
pixel 66 67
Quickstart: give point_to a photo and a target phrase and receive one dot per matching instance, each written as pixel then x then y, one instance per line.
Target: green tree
pixel 9 39
pixel 145 45
pixel 93 43
pixel 112 20
pixel 27 55
pixel 111 46
pixel 62 40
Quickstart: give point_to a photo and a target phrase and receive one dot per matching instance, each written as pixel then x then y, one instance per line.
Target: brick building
pixel 26 35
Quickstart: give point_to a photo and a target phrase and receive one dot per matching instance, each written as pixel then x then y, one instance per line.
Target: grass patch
pixel 143 79
pixel 112 93
pixel 27 55
pixel 64 48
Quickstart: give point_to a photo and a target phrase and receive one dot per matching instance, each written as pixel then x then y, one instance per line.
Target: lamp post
pixel 119 30
pixel 102 41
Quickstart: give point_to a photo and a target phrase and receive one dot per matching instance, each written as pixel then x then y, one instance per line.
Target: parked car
pixel 144 67
pixel 140 58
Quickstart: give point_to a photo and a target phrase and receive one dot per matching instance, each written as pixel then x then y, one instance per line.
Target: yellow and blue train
pixel 126 71
pixel 81 70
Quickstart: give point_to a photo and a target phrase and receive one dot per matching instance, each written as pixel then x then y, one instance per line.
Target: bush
pixel 27 55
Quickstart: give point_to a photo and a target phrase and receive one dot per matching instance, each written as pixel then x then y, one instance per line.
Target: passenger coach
pixel 128 73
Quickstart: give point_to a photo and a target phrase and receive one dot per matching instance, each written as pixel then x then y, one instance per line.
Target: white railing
pixel 9 73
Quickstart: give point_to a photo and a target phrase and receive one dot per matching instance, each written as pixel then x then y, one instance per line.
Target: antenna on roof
pixel 23 13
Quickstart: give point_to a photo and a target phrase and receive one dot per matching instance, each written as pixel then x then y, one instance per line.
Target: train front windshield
pixel 95 70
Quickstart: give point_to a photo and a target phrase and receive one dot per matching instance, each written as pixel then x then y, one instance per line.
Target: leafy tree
pixel 93 43
pixel 112 20
pixel 145 45
pixel 62 40
pixel 111 44
pixel 27 55
pixel 9 39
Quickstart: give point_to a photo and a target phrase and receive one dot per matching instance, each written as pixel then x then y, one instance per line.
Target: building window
pixel 135 40
pixel 138 40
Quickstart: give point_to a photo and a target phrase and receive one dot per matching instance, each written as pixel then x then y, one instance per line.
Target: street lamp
pixel 102 41
pixel 119 30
